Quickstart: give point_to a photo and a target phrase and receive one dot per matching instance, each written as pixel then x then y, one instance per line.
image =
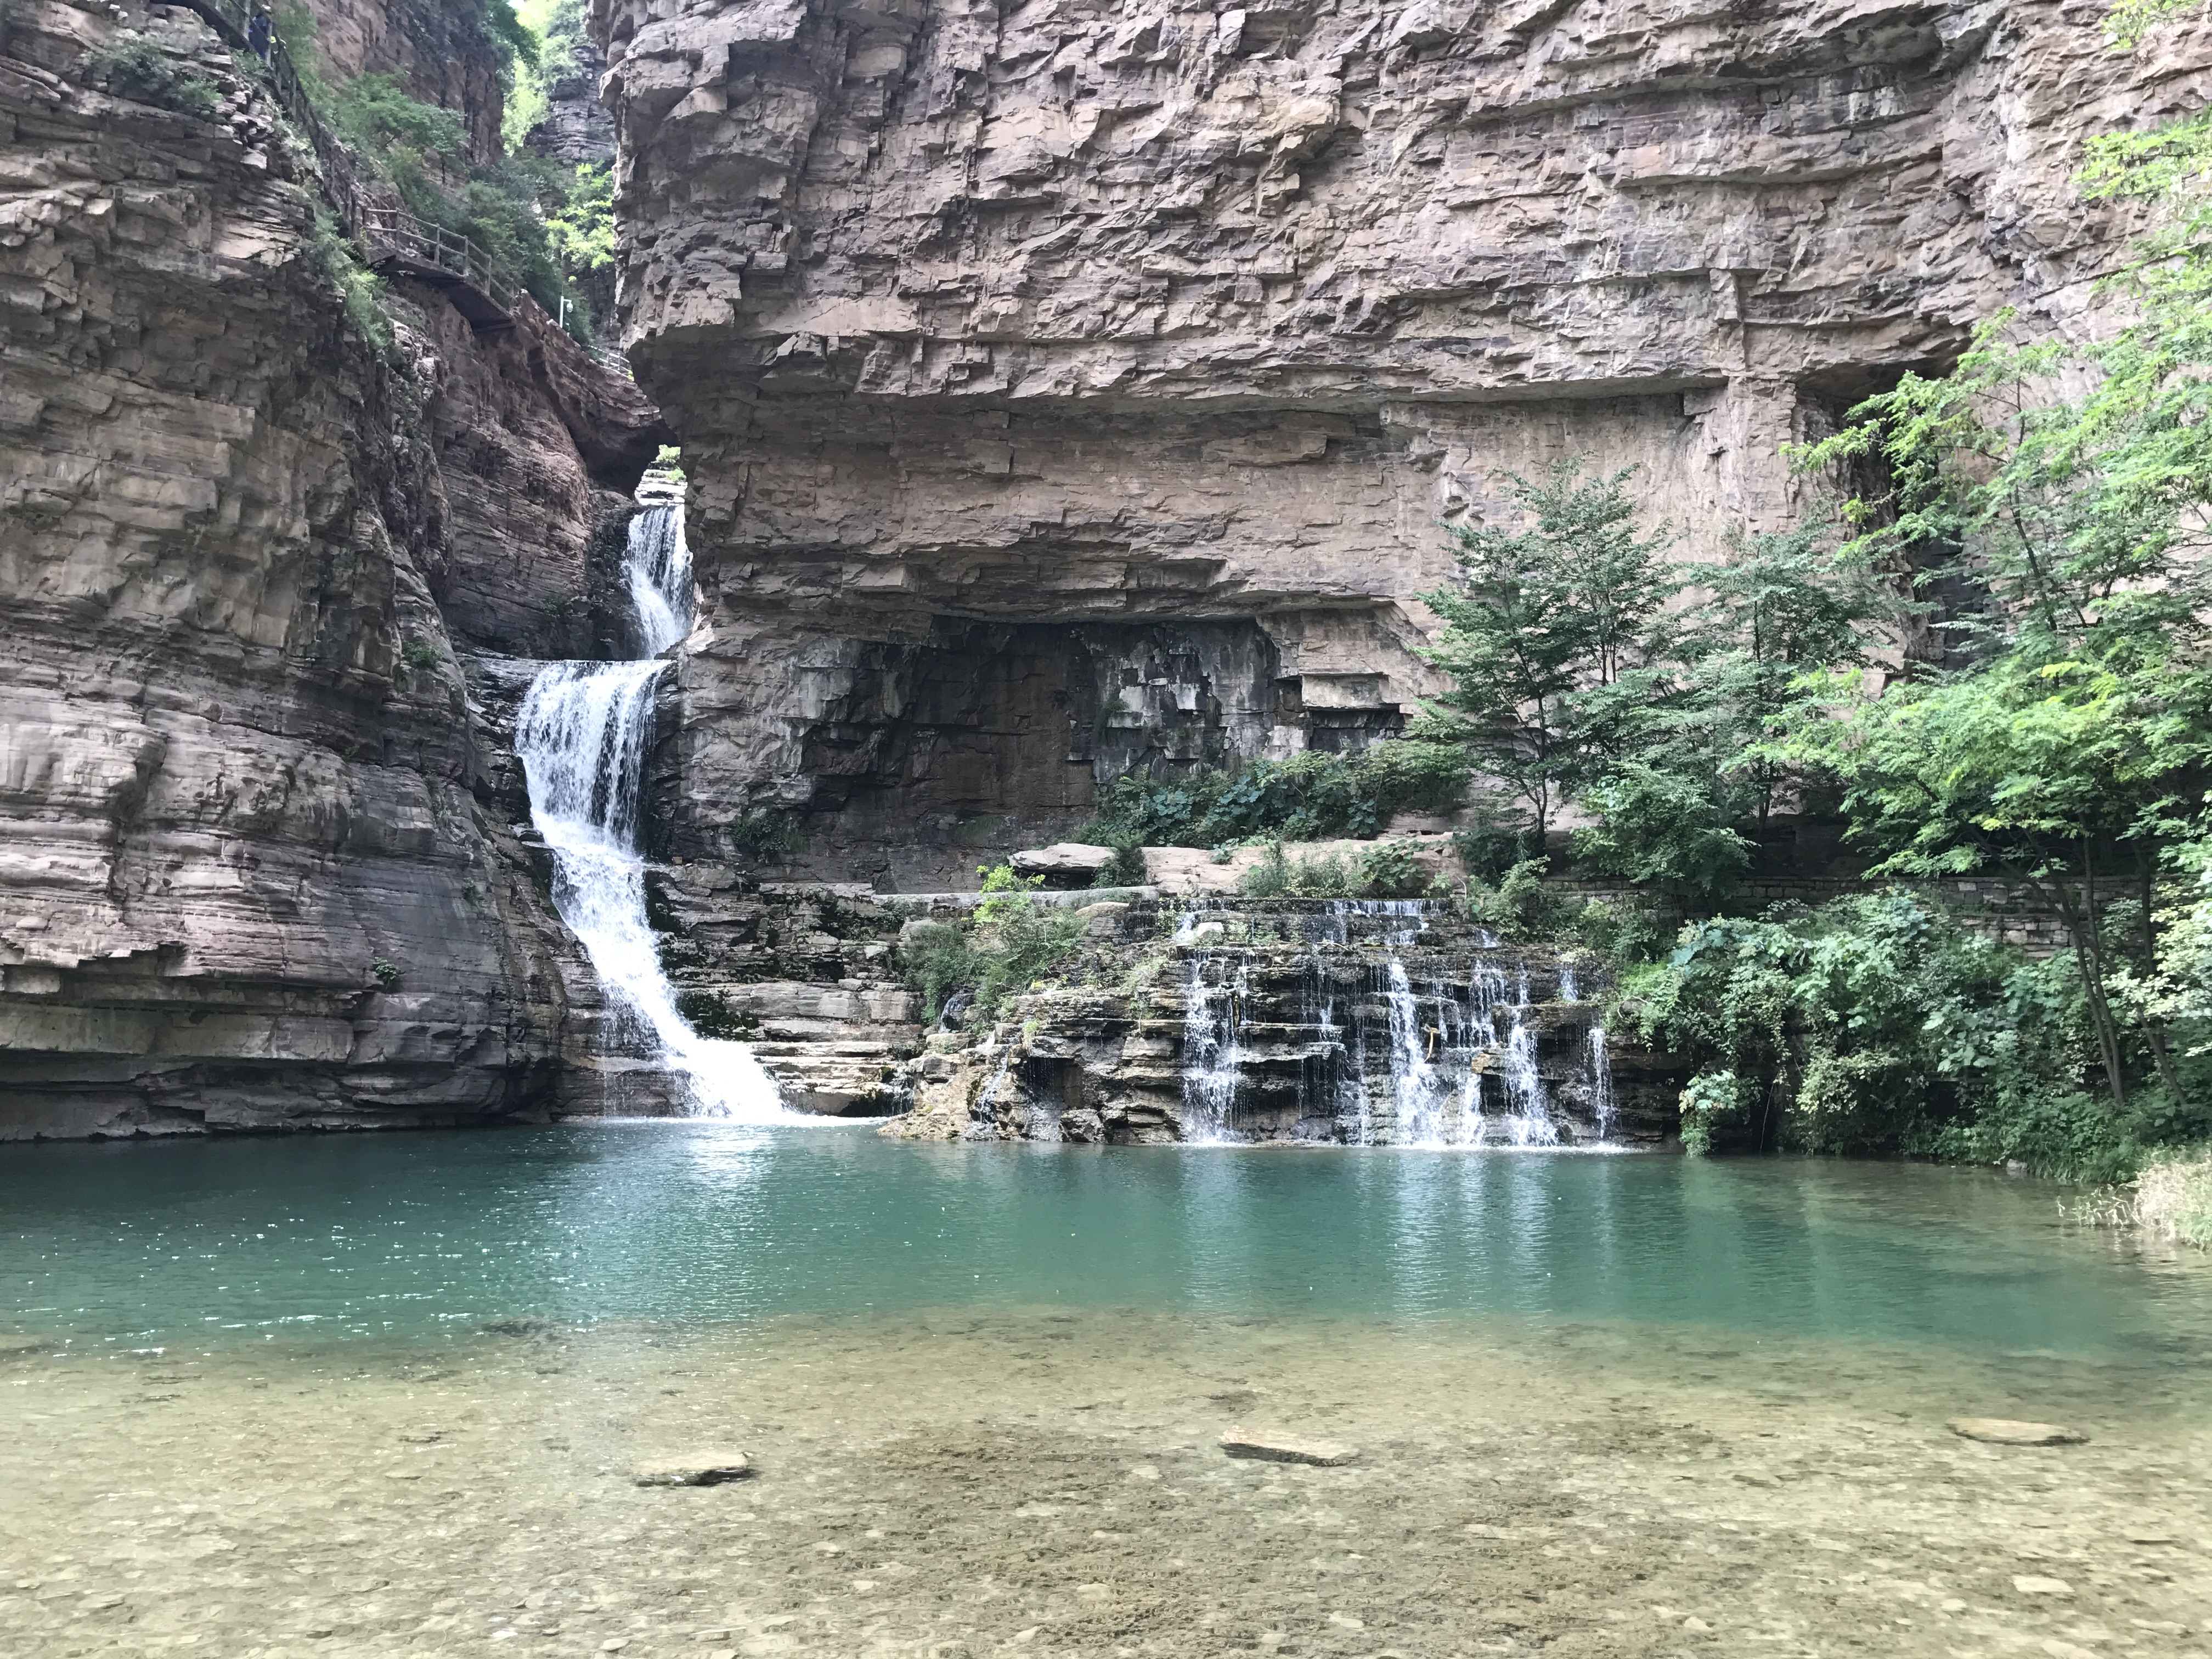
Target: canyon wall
pixel 438 51
pixel 255 866
pixel 1052 371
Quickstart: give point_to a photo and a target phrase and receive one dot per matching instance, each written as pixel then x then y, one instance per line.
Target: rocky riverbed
pixel 973 1484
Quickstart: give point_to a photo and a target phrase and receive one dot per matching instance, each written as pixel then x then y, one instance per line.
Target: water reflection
pixel 704 1224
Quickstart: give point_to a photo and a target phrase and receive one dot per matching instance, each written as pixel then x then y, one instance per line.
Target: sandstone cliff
pixel 440 54
pixel 246 876
pixel 1064 384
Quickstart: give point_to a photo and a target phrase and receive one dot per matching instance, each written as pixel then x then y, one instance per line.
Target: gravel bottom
pixel 1034 1485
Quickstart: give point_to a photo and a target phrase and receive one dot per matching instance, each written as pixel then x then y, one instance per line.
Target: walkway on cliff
pixel 399 242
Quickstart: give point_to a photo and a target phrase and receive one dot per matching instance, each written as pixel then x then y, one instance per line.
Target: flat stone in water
pixel 706 1468
pixel 2030 1585
pixel 2009 1431
pixel 1277 1448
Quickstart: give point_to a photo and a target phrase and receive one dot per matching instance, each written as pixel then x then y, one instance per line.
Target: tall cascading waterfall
pixel 581 737
pixel 1461 1045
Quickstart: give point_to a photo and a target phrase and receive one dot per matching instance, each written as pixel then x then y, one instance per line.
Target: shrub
pixel 360 289
pixel 421 654
pixel 1521 905
pixel 385 974
pixel 1710 1102
pixel 1388 870
pixel 1309 797
pixel 1877 1024
pixel 1489 849
pixel 763 832
pixel 2173 1197
pixel 135 66
pixel 1126 867
pixel 1325 875
pixel 1011 941
pixel 1270 878
pixel 1622 931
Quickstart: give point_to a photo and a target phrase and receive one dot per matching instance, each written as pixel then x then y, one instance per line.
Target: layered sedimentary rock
pixel 246 878
pixel 1372 1023
pixel 986 328
pixel 439 53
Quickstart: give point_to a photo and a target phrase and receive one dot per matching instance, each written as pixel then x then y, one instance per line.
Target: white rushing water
pixel 581 737
pixel 1450 1060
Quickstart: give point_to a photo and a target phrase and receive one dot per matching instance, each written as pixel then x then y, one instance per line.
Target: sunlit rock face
pixel 1057 312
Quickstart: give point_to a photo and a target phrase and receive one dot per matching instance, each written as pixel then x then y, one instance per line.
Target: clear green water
pixel 702 1225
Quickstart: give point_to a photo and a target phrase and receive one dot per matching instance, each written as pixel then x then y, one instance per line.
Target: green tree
pixel 1549 630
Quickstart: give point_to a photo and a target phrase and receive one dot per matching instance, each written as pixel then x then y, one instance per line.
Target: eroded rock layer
pixel 248 873
pixel 1048 315
pixel 1359 1022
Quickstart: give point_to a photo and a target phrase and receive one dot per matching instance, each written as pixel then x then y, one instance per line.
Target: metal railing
pixel 366 208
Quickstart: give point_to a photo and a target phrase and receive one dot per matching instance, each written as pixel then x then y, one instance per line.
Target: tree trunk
pixel 2154 1028
pixel 2089 956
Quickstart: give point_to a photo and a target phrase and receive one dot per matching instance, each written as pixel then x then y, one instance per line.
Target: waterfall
pixel 1413 1079
pixel 581 739
pixel 1213 1062
pixel 1601 1073
pixel 657 565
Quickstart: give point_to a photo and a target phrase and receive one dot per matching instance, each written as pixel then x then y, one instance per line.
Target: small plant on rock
pixel 1387 871
pixel 135 66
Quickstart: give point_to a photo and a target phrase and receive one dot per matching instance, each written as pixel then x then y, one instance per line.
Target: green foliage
pixel 359 289
pixel 1322 875
pixel 1309 797
pixel 764 832
pixel 1549 633
pixel 1663 828
pixel 1713 1104
pixel 1010 942
pixel 1520 906
pixel 421 654
pixel 133 66
pixel 582 228
pixel 2127 22
pixel 1387 871
pixel 1625 933
pixel 516 210
pixel 1877 1024
pixel 385 974
pixel 1127 868
pixel 1492 845
pixel 519 40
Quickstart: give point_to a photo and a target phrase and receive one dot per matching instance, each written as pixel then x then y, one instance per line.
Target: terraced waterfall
pixel 581 737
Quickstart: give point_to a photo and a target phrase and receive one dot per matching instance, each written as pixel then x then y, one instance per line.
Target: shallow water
pixel 381 1394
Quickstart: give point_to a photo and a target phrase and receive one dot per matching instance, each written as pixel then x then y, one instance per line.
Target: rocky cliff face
pixel 1364 1022
pixel 247 873
pixel 986 328
pixel 439 52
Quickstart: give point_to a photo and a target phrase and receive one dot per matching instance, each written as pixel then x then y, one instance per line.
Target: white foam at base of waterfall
pixel 580 736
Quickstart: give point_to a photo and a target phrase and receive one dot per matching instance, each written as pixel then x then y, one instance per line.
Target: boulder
pixel 1272 1446
pixel 2008 1431
pixel 1063 863
pixel 700 1468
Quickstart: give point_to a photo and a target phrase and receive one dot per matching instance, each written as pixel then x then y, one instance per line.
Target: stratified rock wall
pixel 247 874
pixel 1057 314
pixel 437 50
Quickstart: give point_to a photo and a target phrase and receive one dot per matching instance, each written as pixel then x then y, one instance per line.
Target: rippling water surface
pixel 379 1397
pixel 705 1225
